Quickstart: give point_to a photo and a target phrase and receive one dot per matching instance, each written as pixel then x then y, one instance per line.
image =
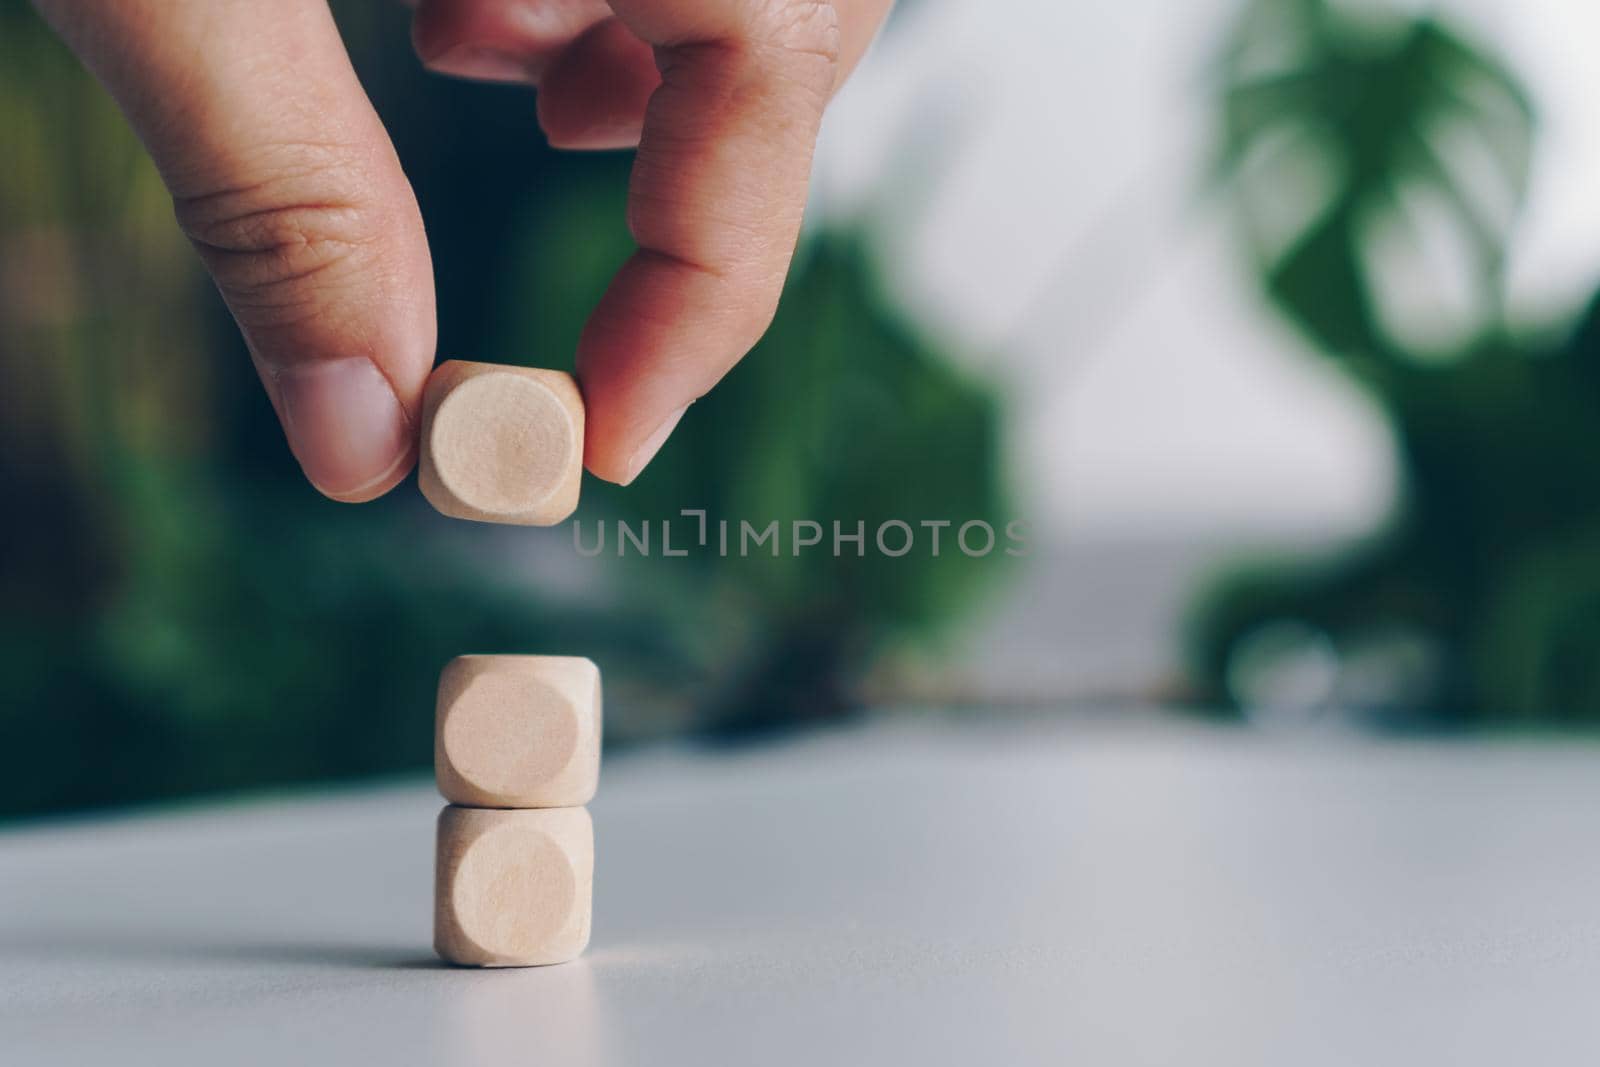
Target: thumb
pixel 284 179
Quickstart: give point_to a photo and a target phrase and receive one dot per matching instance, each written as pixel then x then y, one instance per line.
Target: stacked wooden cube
pixel 517 738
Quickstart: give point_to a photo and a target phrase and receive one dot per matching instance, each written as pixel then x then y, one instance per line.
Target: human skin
pixel 285 181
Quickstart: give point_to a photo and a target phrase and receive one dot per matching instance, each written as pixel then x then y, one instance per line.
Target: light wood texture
pixel 518 731
pixel 502 444
pixel 513 888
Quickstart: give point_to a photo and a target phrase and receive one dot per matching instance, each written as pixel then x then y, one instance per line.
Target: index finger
pixel 718 190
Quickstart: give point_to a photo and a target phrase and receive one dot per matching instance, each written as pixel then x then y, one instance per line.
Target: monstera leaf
pixel 1376 164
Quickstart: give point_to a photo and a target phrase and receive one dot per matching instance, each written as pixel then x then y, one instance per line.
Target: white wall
pixel 1059 233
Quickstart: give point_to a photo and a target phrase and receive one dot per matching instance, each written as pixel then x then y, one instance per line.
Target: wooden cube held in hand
pixel 513 888
pixel 518 731
pixel 501 444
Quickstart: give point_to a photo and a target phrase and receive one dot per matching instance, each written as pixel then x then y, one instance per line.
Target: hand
pixel 287 184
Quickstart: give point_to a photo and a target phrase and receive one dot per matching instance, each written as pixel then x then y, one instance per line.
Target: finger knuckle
pixel 753 316
pixel 758 320
pixel 274 240
pixel 807 35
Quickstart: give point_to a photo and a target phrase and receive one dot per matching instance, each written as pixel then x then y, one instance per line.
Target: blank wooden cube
pixel 501 444
pixel 518 731
pixel 513 888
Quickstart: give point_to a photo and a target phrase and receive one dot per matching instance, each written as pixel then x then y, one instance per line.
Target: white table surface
pixel 909 892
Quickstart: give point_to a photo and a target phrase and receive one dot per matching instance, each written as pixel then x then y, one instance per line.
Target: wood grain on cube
pixel 502 444
pixel 513 888
pixel 518 731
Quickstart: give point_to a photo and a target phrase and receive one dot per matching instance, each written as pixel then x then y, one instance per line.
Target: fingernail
pixel 614 137
pixel 481 64
pixel 599 138
pixel 652 444
pixel 344 424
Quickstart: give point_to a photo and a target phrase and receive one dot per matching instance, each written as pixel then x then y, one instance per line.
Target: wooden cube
pixel 518 731
pixel 501 444
pixel 513 888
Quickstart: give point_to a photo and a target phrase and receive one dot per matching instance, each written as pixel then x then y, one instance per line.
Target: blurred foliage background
pixel 180 613
pixel 1375 161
